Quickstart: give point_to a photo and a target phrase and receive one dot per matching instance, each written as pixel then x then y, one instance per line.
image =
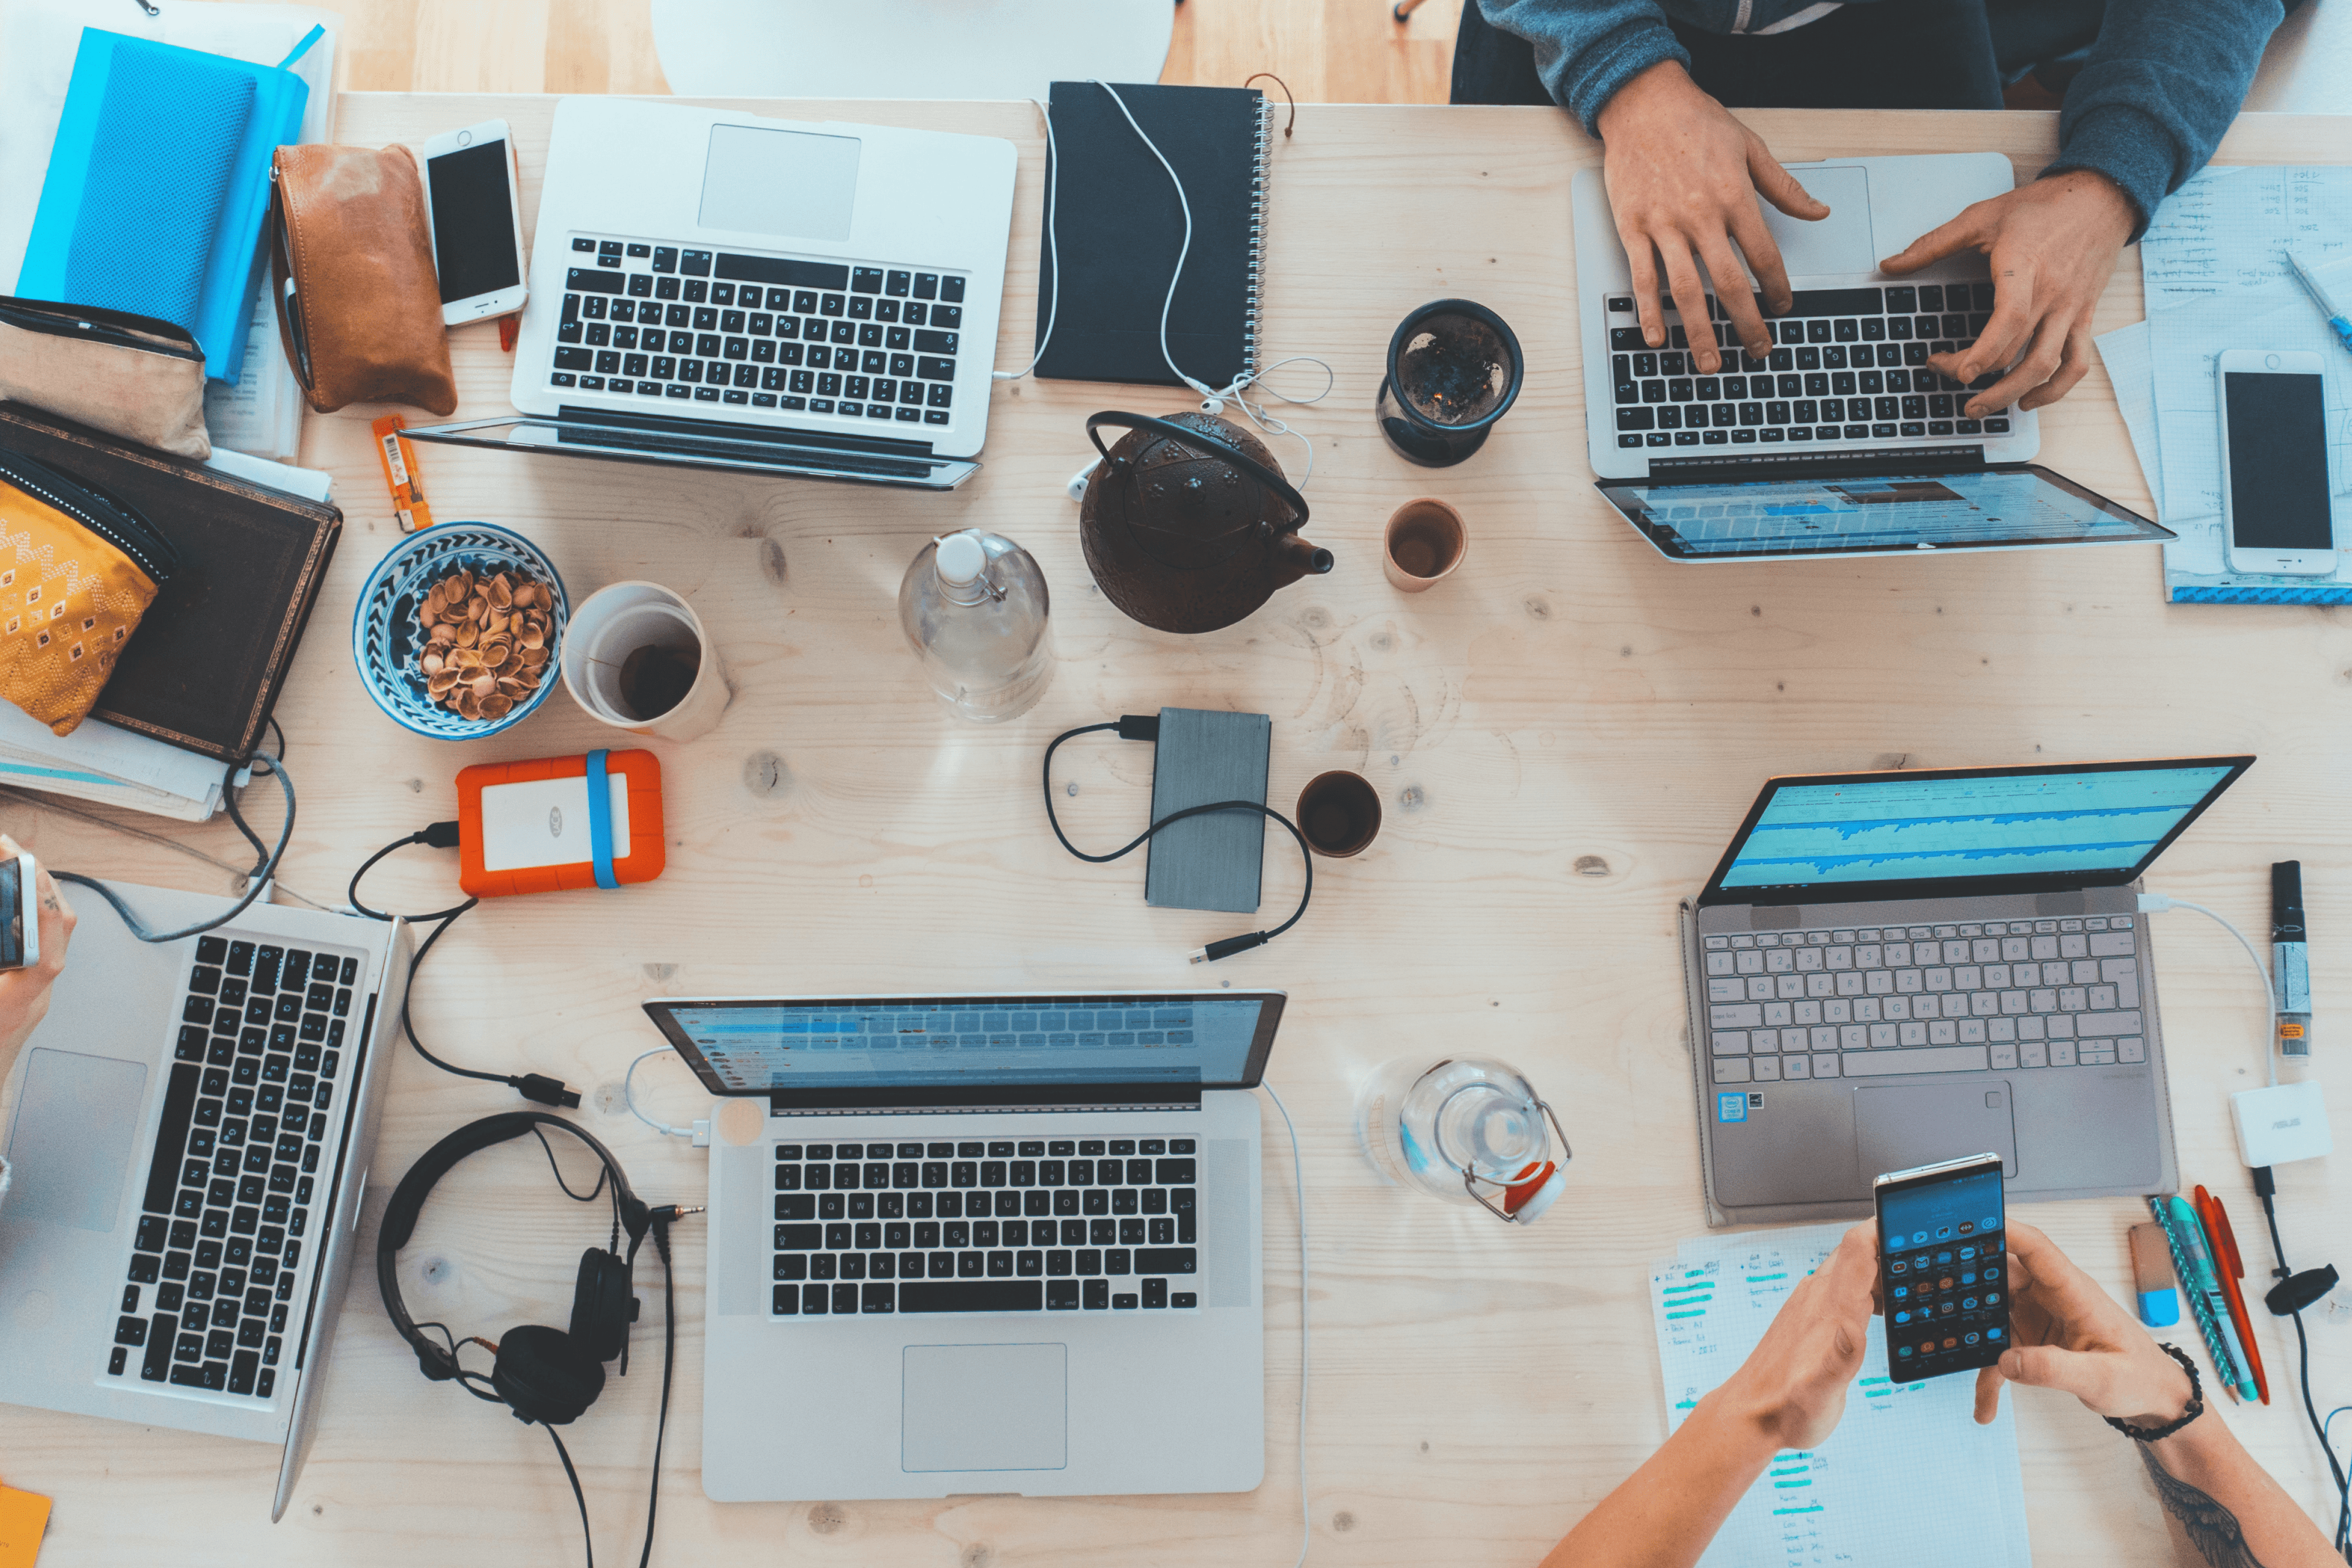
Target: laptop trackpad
pixel 986 1407
pixel 1840 242
pixel 76 1124
pixel 1898 1126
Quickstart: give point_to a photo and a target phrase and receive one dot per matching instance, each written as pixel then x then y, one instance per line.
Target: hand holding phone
pixel 36 924
pixel 2070 1335
pixel 475 213
pixel 1942 1266
pixel 2276 511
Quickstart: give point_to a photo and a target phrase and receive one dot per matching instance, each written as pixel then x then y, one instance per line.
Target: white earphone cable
pixel 1212 400
pixel 1298 1183
pixel 629 1098
pixel 2158 903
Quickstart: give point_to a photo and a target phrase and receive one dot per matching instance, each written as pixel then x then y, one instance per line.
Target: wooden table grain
pixel 1564 734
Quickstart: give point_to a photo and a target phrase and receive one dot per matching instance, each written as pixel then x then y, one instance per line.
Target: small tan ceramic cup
pixel 1425 541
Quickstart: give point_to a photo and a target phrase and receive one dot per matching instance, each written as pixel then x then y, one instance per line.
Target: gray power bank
pixel 1215 860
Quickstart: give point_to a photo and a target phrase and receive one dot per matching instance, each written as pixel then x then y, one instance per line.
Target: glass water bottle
pixel 973 609
pixel 1468 1129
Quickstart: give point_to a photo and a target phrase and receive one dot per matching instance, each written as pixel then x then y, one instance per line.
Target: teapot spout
pixel 1295 558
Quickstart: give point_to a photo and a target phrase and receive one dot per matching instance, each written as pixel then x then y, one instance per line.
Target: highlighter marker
pixel 2339 320
pixel 2290 959
pixel 2152 1276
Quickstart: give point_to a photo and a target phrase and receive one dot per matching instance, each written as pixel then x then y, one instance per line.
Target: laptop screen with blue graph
pixel 1964 831
pixel 1844 513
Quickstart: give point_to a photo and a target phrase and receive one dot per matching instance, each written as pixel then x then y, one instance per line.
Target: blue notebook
pixel 158 185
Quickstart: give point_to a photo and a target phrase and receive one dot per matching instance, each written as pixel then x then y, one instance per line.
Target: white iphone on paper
pixel 2274 495
pixel 474 211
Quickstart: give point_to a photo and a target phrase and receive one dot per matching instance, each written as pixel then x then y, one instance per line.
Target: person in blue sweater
pixel 2149 87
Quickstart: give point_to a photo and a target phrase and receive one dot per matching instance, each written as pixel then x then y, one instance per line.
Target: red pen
pixel 2230 1268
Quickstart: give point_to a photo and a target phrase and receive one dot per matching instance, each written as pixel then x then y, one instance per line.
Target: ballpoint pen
pixel 2338 320
pixel 2229 1359
pixel 2229 1268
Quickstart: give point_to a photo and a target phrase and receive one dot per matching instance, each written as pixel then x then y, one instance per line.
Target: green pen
pixel 2182 1221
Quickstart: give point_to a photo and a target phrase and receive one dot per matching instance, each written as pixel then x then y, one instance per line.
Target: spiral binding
pixel 1256 236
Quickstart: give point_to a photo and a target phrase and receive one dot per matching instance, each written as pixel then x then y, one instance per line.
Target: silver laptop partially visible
pixel 1888 969
pixel 982 1243
pixel 1841 441
pixel 193 1128
pixel 716 289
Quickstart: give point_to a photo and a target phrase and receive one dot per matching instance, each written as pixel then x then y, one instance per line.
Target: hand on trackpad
pixel 1838 243
pixel 985 1407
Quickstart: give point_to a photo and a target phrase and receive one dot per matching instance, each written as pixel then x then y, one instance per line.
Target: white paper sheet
pixel 2227 229
pixel 1907 1478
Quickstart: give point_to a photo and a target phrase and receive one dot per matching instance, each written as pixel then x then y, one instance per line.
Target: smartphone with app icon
pixel 1943 1267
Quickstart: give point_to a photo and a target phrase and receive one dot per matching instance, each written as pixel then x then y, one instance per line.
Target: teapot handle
pixel 1208 446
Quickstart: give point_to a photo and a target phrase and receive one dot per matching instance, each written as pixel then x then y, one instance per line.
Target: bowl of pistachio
pixel 458 630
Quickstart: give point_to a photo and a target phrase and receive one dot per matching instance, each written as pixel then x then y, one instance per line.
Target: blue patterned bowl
pixel 385 641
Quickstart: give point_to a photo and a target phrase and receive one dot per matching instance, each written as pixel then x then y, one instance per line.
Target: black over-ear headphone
pixel 542 1374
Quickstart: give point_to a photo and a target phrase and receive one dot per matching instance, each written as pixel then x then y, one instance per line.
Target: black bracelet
pixel 2196 1403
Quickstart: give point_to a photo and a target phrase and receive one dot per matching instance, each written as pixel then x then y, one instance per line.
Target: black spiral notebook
pixel 1118 226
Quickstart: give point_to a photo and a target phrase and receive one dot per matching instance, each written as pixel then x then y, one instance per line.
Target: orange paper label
pixel 24 1518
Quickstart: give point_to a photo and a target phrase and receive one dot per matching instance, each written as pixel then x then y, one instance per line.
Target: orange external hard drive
pixel 556 823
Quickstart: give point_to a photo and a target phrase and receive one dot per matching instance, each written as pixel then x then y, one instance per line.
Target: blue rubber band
pixel 600 821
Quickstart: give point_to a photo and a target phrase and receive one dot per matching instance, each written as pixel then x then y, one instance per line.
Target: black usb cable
pixel 1146 727
pixel 532 1086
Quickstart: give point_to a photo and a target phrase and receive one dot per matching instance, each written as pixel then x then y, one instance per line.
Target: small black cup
pixel 1339 813
pixel 1453 370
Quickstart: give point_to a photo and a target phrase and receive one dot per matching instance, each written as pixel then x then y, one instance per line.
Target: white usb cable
pixel 1299 1183
pixel 2157 903
pixel 700 1133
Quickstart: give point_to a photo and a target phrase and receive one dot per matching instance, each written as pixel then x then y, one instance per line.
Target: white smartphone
pixel 2274 497
pixel 473 207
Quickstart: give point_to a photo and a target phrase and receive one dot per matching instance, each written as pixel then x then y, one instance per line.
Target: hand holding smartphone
pixel 2274 493
pixel 1942 1266
pixel 474 213
pixel 20 917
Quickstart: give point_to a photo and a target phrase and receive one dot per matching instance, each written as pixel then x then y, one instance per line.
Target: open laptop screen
pixel 1187 1040
pixel 1833 514
pixel 1963 831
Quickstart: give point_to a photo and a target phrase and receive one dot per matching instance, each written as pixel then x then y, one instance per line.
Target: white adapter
pixel 2281 1124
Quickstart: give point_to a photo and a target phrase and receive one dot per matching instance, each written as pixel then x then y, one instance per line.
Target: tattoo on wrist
pixel 2211 1528
pixel 49 902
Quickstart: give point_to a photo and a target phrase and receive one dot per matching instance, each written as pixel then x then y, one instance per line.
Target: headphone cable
pixel 256 880
pixel 587 1538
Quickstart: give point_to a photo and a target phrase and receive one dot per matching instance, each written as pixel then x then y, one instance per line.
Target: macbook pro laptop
pixel 1841 441
pixel 193 1128
pixel 716 289
pixel 1889 969
pixel 982 1244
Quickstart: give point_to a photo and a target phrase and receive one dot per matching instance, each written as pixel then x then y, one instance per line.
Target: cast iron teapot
pixel 1188 524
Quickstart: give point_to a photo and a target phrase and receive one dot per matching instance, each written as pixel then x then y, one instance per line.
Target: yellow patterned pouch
pixel 78 569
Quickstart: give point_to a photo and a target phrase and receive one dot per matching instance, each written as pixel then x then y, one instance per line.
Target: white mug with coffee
pixel 636 658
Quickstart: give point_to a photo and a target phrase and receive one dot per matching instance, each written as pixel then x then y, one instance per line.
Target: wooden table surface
pixel 1564 734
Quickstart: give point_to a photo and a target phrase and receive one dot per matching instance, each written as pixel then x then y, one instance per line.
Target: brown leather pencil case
pixel 363 322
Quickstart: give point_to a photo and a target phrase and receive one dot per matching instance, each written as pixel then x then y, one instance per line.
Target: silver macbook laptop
pixel 192 1129
pixel 1889 969
pixel 1841 440
pixel 717 290
pixel 982 1243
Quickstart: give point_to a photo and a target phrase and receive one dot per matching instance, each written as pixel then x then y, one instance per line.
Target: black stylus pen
pixel 2290 962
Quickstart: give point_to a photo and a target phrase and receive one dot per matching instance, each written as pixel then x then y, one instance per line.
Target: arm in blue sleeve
pixel 1587 49
pixel 2162 84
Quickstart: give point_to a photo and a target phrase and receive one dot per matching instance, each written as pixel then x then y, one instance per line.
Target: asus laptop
pixel 1889 969
pixel 982 1243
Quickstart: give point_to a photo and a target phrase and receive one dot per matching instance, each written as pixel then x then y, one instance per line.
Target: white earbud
pixel 1213 406
pixel 1078 485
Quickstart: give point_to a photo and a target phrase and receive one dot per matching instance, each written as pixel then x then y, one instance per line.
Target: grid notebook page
pixel 1908 1476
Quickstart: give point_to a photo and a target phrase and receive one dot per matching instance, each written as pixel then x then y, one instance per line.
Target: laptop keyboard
pixel 870 342
pixel 1999 995
pixel 241 1156
pixel 1848 364
pixel 1058 1225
